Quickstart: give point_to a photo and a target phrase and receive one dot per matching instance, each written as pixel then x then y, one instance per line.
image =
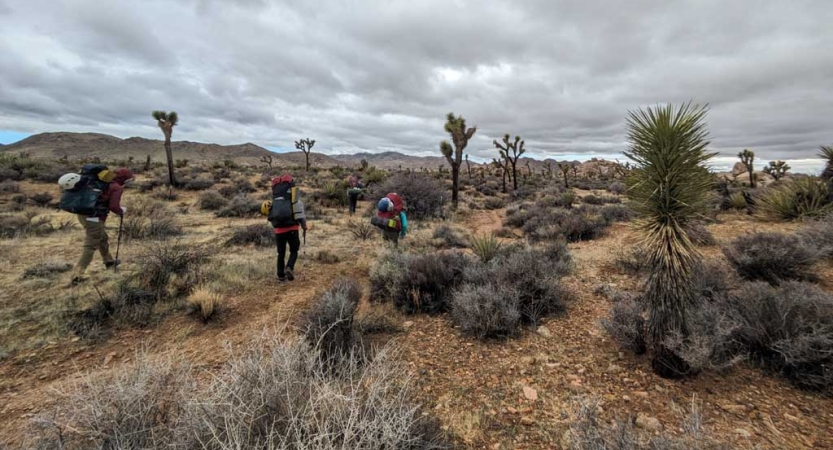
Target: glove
pixel 123 210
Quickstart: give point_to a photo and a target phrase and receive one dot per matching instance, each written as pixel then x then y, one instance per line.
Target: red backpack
pixel 389 220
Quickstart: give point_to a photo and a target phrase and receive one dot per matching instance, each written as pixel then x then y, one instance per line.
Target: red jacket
pixel 112 194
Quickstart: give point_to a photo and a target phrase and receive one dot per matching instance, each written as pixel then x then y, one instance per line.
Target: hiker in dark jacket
pixel 94 227
pixel 288 235
pixel 353 192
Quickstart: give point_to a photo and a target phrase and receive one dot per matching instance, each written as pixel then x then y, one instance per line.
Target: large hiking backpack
pixel 387 217
pixel 282 213
pixel 85 197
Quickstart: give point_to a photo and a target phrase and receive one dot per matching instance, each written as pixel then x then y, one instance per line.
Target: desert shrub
pixel 211 201
pixel 43 199
pixel 616 213
pixel 258 235
pixel 417 283
pixel 328 325
pixel 19 226
pixel 524 192
pixel 204 303
pixel 449 237
pixel 626 325
pixel 275 393
pixel 737 201
pixel 580 227
pixel 198 184
pixel 771 257
pixel 362 230
pixel 617 187
pixel 488 189
pixel 486 246
pixel 789 329
pixel 819 235
pixel 547 223
pixel 493 203
pixel 327 257
pixel 177 264
pixel 600 200
pixel 533 276
pixel 45 270
pixel 168 195
pixel 632 260
pixel 240 206
pixel 798 199
pixel 374 176
pixel 424 196
pixel 486 311
pixel 587 184
pixel 699 234
pixel 9 187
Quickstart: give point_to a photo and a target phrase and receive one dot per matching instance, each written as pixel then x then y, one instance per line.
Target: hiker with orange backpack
pixel 92 195
pixel 391 219
pixel 286 214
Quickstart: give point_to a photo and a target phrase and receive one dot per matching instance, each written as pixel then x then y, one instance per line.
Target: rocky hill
pixel 393 161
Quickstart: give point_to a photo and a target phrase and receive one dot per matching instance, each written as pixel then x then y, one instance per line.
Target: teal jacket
pixel 404 220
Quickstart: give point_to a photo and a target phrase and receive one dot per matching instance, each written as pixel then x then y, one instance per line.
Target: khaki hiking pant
pixel 96 239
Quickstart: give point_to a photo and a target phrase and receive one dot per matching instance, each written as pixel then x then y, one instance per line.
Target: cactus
pixel 517 148
pixel 747 157
pixel 460 135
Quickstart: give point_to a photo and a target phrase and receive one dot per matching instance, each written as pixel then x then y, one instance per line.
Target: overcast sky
pixel 381 75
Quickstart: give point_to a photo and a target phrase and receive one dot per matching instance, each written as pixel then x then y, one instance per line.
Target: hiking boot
pixel 289 275
pixel 281 279
pixel 112 264
pixel 76 280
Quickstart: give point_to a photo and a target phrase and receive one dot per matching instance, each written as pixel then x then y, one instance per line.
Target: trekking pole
pixel 118 242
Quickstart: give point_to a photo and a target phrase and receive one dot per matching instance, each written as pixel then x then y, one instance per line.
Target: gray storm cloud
pixel 380 75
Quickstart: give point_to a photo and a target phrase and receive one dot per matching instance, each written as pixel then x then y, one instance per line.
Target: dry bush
pixel 27 225
pixel 328 325
pixel 211 201
pixel 424 196
pixel 417 283
pixel 493 203
pixel 699 234
pixel 362 230
pixel 549 223
pixel 327 257
pixel 600 200
pixel 204 302
pixel 449 237
pixel 275 394
pixel 771 257
pixel 42 199
pixel 9 187
pixel 486 311
pixel 819 235
pixel 626 325
pixel 616 213
pixel 198 184
pixel 788 329
pixel 631 260
pixel 154 227
pixel 240 206
pixel 258 235
pixel 797 199
pixel 45 270
pixel 617 187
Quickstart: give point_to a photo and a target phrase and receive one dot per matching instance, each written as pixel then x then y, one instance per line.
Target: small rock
pixel 575 386
pixel 530 394
pixel 544 331
pixel 528 360
pixel 75 339
pixel 626 398
pixel 743 433
pixel 511 410
pixel 407 325
pixel 736 409
pixel 647 422
pixel 641 394
pixel 527 421
pixel 790 417
pixel 613 368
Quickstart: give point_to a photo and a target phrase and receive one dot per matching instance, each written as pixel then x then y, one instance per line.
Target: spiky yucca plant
pixel 485 246
pixel 166 122
pixel 826 153
pixel 669 186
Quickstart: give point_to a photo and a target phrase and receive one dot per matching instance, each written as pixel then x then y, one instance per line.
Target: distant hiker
pixel 390 218
pixel 353 192
pixel 286 214
pixel 92 195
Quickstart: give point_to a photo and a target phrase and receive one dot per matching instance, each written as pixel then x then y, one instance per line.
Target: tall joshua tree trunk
pixel 460 135
pixel 517 148
pixel 305 145
pixel 167 122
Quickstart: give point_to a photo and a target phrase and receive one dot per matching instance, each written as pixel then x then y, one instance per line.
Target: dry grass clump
pixel 771 257
pixel 204 302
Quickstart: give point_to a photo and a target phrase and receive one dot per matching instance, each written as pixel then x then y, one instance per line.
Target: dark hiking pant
pixel 291 238
pixel 95 240
pixel 354 200
pixel 391 236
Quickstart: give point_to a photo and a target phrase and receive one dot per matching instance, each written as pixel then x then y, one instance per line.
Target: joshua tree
pixel 747 157
pixel 669 186
pixel 565 169
pixel 305 145
pixel 575 170
pixel 777 169
pixel 267 159
pixel 503 165
pixel 460 135
pixel 528 169
pixel 147 164
pixel 517 149
pixel 468 165
pixel 364 164
pixel 167 121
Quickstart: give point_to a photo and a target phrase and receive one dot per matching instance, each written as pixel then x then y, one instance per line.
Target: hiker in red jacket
pixel 96 234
